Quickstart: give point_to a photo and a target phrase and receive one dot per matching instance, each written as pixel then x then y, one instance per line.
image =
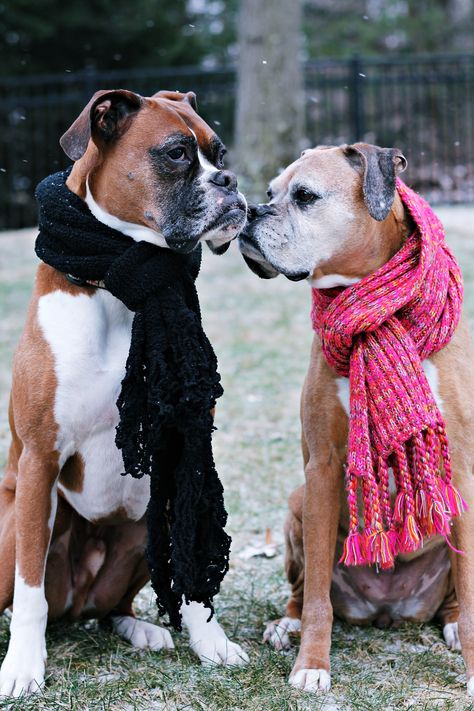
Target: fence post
pixel 356 87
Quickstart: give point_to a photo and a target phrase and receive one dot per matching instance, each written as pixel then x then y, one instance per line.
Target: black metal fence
pixel 423 105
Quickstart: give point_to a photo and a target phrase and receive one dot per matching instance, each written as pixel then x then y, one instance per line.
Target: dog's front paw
pixel 277 633
pixel 218 649
pixel 311 680
pixel 22 671
pixel 470 686
pixel 141 634
pixel 451 636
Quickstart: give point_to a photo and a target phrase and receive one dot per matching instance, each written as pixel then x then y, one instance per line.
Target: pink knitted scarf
pixel 377 333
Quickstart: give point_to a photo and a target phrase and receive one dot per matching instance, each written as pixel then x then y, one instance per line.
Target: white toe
pixel 220 651
pixel 22 670
pixel 451 636
pixel 142 634
pixel 470 686
pixel 278 633
pixel 207 638
pixel 311 680
pixel 21 684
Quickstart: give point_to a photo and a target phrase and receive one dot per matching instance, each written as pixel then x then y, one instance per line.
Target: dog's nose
pixel 262 210
pixel 251 211
pixel 224 179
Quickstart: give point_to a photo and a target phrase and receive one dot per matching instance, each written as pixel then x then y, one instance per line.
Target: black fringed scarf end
pixel 169 389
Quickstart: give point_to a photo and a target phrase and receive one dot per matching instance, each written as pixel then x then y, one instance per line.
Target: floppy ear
pixel 105 118
pixel 188 98
pixel 379 166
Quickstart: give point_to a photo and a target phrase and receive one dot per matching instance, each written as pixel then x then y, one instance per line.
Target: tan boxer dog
pixel 72 530
pixel 320 225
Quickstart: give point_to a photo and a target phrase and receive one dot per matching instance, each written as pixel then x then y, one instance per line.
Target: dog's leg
pixel 35 508
pixel 277 633
pixel 7 545
pixel 448 615
pixel 208 640
pixel 463 565
pixel 140 633
pixel 324 483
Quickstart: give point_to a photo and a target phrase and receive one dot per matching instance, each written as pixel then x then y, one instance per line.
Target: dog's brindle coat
pixel 72 530
pixel 333 218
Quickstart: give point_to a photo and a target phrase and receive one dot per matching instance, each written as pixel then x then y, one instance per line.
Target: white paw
pixel 219 650
pixel 141 634
pixel 22 671
pixel 451 636
pixel 277 633
pixel 470 686
pixel 311 680
pixel 207 638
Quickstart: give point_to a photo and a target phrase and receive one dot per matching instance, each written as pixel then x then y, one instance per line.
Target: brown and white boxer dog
pixel 72 530
pixel 317 226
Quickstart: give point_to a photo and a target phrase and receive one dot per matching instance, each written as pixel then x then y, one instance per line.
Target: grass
pixel 262 336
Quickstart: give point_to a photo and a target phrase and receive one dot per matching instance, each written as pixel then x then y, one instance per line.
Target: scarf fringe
pixel 424 506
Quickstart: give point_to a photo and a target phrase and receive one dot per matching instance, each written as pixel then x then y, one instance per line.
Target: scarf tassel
pixel 453 500
pixel 431 514
pixel 410 536
pixel 380 548
pixel 354 549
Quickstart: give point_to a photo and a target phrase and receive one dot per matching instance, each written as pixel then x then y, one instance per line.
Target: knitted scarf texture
pixel 170 387
pixel 377 333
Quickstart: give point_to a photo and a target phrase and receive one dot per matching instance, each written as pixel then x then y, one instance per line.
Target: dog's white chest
pixel 90 338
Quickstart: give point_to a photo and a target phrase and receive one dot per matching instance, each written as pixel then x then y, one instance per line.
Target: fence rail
pixel 422 104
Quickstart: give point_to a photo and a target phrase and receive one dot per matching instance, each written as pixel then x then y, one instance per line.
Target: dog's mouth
pixel 227 225
pixel 258 263
pixel 254 259
pixel 234 215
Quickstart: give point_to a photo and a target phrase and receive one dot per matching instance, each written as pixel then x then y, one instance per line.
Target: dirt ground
pixel 262 334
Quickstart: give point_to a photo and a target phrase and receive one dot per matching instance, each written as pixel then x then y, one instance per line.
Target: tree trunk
pixel 462 17
pixel 270 99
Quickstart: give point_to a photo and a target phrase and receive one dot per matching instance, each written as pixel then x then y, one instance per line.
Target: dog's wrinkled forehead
pixel 165 117
pixel 322 169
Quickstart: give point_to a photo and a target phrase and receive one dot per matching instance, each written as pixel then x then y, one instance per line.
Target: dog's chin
pixel 182 246
pixel 225 229
pixel 296 276
pixel 218 248
pixel 254 259
pixel 264 271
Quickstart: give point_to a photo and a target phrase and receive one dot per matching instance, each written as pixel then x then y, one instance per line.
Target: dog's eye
pixel 270 194
pixel 305 197
pixel 177 153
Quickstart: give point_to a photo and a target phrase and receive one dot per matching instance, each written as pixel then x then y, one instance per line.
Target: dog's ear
pixel 380 167
pixel 189 97
pixel 106 117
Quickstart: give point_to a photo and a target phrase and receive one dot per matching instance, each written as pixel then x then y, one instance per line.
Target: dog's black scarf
pixel 169 389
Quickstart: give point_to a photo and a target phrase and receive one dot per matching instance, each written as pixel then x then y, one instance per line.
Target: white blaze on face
pixel 207 167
